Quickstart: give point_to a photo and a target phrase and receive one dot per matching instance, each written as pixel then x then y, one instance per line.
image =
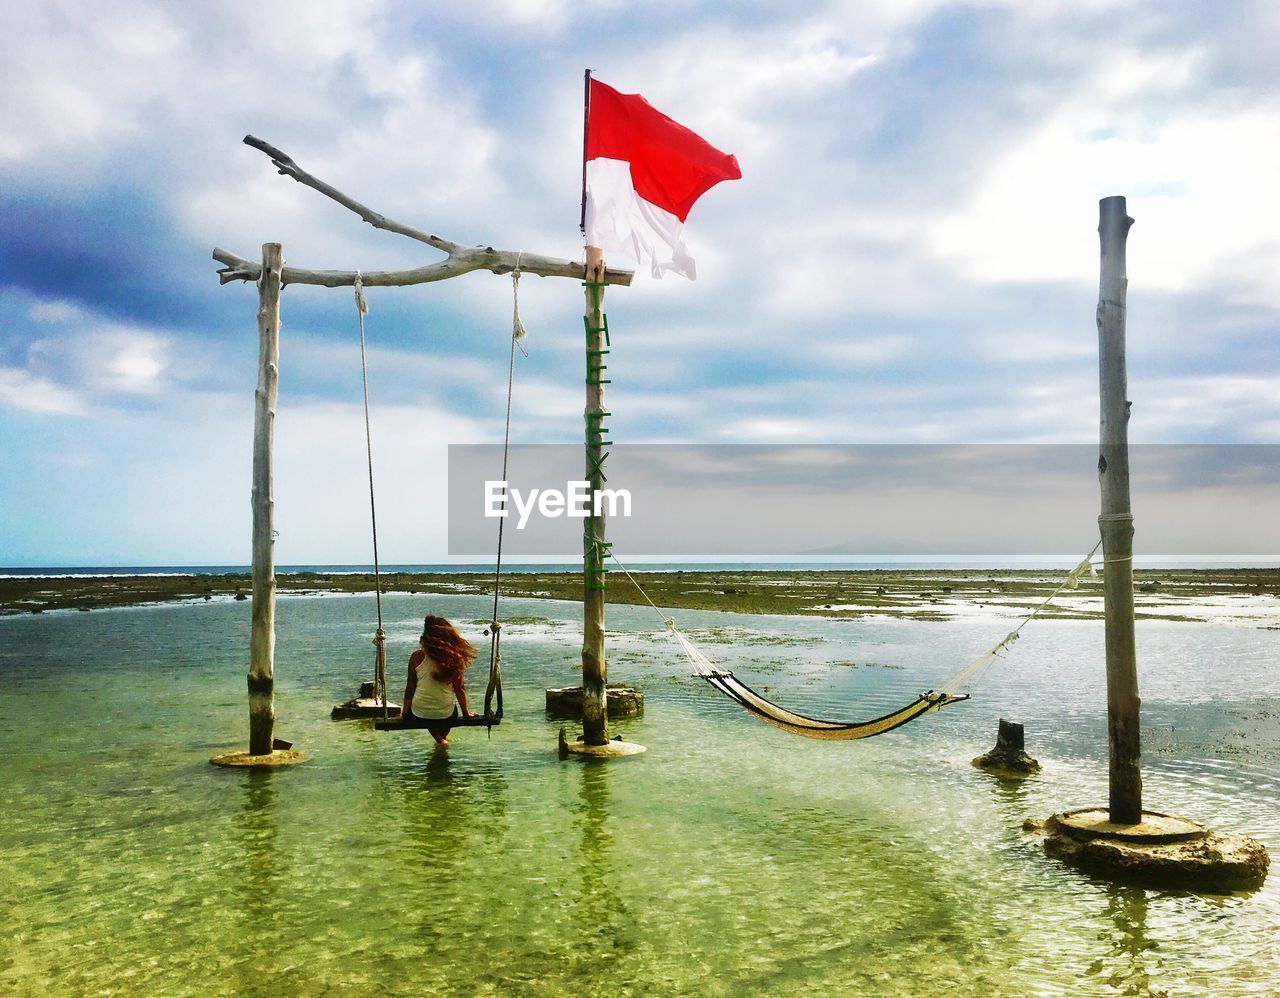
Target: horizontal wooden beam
pixel 237 268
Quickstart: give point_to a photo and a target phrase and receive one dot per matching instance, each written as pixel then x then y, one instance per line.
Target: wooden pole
pixel 262 636
pixel 1116 521
pixel 595 721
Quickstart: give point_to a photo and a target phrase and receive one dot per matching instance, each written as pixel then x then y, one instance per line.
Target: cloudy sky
pixel 910 257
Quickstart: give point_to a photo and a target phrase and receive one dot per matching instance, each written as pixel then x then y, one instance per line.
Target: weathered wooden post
pixel 262 633
pixel 595 671
pixel 1122 841
pixel 262 636
pixel 1116 520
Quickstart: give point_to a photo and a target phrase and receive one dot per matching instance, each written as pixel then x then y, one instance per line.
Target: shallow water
pixel 729 858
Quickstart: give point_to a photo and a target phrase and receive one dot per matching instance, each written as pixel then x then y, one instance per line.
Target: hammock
pixel 812 727
pixel 801 724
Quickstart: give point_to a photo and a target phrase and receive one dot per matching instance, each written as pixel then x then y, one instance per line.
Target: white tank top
pixel 432 699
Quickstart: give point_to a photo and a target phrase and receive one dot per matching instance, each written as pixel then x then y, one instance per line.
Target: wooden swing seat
pixel 479 721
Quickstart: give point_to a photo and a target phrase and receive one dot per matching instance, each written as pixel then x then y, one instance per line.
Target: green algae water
pixel 731 858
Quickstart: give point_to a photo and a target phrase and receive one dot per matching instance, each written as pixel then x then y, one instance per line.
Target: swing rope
pixel 379 637
pixel 518 333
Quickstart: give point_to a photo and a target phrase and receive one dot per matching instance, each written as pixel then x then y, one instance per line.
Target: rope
pixel 518 333
pixel 380 637
pixel 978 666
pixel 666 621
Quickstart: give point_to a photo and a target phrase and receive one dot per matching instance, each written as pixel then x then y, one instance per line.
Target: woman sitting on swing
pixel 434 690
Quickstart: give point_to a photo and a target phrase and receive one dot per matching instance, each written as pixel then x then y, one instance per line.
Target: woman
pixel 434 690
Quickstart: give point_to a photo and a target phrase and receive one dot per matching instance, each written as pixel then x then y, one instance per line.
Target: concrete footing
pixel 1009 759
pixel 278 757
pixel 615 749
pixel 362 707
pixel 365 704
pixel 565 704
pixel 1160 851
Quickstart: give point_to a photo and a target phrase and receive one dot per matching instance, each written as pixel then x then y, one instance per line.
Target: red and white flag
pixel 643 173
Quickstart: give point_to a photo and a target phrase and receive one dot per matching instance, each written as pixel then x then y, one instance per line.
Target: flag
pixel 643 173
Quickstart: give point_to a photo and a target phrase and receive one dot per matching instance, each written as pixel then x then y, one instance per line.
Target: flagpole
pixel 586 123
pixel 595 710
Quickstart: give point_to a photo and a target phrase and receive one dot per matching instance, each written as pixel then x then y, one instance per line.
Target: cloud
pixel 54 312
pixel 1136 127
pixel 20 389
pixel 109 360
pixel 71 361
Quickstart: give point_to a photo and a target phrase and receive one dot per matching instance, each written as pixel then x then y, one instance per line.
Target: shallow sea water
pixel 730 858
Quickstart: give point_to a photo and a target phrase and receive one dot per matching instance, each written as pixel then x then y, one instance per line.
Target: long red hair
pixel 449 650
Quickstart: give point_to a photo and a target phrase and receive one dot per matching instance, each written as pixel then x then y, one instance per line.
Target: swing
pixel 827 730
pixel 372 699
pixel 492 715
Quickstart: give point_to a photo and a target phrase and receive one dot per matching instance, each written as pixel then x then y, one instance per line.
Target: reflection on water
pixel 1132 951
pixel 728 858
pixel 255 885
pixel 599 909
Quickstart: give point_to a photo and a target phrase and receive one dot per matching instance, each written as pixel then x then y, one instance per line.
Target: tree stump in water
pixel 1008 760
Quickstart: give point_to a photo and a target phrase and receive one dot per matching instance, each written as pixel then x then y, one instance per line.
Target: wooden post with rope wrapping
pixel 1116 520
pixel 595 548
pixel 595 671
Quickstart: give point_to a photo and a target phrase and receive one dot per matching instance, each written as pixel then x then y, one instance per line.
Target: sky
pixel 910 257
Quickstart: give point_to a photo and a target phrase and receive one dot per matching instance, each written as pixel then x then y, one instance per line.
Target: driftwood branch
pixel 460 259
pixel 237 268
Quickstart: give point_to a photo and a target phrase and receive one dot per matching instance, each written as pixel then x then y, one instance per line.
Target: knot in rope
pixel 518 332
pixel 361 303
pixel 380 637
pixel 671 623
pixel 1074 576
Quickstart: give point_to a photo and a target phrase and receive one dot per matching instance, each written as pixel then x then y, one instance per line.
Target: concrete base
pixel 615 749
pixel 1160 851
pixel 611 750
pixel 363 707
pixel 565 703
pixel 278 757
